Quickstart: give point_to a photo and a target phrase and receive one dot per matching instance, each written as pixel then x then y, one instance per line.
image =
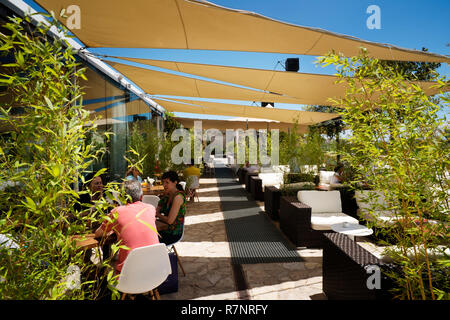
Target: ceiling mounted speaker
pixel 292 64
pixel 267 104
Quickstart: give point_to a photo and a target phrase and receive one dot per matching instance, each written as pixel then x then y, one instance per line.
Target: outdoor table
pixel 154 190
pixel 351 229
pixel 86 241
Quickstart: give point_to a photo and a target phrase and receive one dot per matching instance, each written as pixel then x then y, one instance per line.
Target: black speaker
pixel 292 64
pixel 264 104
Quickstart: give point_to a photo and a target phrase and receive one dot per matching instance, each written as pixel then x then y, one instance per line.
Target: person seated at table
pixel 191 175
pixel 87 202
pixel 133 174
pixel 171 209
pixel 252 168
pixel 133 223
pixel 337 177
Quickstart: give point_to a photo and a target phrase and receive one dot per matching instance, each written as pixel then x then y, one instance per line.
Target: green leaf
pixel 10 65
pixel 19 58
pixel 49 103
pixel 30 203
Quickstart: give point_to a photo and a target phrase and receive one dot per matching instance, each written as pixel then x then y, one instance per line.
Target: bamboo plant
pixel 398 147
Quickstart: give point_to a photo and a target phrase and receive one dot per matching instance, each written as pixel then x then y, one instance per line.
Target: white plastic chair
pixel 171 246
pixel 183 184
pixel 151 199
pixel 144 270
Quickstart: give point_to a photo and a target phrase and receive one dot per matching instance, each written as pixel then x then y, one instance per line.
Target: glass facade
pixel 116 109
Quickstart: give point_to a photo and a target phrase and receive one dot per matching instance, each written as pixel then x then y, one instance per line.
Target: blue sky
pixel 411 24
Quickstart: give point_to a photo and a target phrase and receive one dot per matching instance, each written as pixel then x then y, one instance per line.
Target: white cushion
pixel 324 220
pixel 325 176
pixel 282 168
pixel 321 201
pixel 270 179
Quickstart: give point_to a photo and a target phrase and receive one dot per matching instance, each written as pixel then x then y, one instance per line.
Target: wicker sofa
pixel 346 268
pixel 263 180
pixel 306 217
pixel 272 197
pixel 256 188
pixel 247 176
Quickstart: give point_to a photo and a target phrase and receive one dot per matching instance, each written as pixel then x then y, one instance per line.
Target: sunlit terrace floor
pixel 206 256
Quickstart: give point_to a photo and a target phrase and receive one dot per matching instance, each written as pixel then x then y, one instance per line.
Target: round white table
pixel 351 229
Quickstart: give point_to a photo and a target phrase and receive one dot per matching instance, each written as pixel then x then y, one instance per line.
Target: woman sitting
pixel 133 174
pixel 171 209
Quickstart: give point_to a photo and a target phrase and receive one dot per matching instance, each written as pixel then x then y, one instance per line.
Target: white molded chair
pixel 171 246
pixel 151 199
pixel 144 270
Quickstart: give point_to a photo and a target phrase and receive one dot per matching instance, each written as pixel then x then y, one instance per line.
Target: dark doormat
pixel 253 238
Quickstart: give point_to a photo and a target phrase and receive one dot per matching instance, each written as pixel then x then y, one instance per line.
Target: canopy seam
pixel 321 35
pixel 182 23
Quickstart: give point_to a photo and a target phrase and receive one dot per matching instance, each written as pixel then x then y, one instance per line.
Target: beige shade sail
pixel 313 89
pixel 197 24
pixel 121 110
pixel 233 110
pixel 162 83
pixel 235 125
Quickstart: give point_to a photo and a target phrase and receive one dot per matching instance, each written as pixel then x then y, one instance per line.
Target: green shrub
pixel 398 146
pixel 43 152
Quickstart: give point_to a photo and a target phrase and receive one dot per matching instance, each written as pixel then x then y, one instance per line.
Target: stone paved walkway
pixel 205 255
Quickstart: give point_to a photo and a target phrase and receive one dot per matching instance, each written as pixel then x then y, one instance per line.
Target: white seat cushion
pixel 270 179
pixel 282 169
pixel 309 169
pixel 324 220
pixel 325 176
pixel 321 201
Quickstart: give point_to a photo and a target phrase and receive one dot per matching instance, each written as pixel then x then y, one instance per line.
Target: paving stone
pixel 205 254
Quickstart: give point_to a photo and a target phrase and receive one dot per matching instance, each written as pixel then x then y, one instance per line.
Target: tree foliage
pixel 43 153
pixel 398 147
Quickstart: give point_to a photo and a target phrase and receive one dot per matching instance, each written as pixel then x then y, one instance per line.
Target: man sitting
pixel 134 223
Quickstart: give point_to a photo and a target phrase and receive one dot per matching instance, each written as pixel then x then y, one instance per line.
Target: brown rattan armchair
pixel 247 179
pixel 305 222
pixel 346 269
pixel 295 222
pixel 272 197
pixel 256 188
